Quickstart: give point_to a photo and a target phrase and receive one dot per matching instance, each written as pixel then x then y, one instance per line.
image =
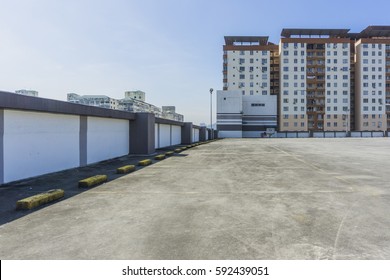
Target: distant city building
pixel 137 94
pixel 134 101
pixel 102 101
pixel 27 92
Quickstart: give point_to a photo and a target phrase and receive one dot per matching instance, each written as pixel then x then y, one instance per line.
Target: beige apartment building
pixel 314 80
pixel 372 79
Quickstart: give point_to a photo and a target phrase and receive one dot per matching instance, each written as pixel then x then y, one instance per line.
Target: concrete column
pixel 202 134
pixel 215 134
pixel 142 134
pixel 186 133
pixel 208 136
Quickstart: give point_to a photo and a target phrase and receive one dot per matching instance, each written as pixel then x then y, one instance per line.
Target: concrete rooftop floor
pixel 230 199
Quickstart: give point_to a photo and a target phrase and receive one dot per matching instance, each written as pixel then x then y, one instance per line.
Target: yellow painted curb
pixel 92 181
pixel 39 199
pixel 159 157
pixel 169 153
pixel 144 162
pixel 125 169
pixel 177 150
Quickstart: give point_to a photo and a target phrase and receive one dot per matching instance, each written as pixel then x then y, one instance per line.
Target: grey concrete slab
pixel 231 199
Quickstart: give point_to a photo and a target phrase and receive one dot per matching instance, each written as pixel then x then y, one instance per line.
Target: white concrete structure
pixel 245 116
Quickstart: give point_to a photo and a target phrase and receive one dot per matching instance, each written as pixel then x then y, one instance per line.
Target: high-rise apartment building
pixel 325 79
pixel 314 80
pixel 372 79
pixel 249 67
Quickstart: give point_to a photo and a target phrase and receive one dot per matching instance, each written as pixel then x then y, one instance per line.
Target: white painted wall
pixel 107 138
pixel 176 135
pixel 39 143
pixel 195 135
pixel 165 135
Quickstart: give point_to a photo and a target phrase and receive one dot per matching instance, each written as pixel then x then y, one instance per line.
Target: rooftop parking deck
pixel 230 199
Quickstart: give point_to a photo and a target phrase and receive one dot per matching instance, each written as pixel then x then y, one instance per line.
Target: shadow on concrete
pixel 67 180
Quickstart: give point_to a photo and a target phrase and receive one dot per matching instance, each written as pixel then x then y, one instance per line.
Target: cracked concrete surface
pixel 230 199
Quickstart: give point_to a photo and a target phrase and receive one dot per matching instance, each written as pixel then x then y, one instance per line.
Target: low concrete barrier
pixel 93 181
pixel 178 150
pixel 170 153
pixel 144 162
pixel 39 199
pixel 125 169
pixel 159 157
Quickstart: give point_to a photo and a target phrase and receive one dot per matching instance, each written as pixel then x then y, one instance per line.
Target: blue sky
pixel 170 49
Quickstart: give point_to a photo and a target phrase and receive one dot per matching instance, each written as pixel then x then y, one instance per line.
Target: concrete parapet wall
pixel 40 136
